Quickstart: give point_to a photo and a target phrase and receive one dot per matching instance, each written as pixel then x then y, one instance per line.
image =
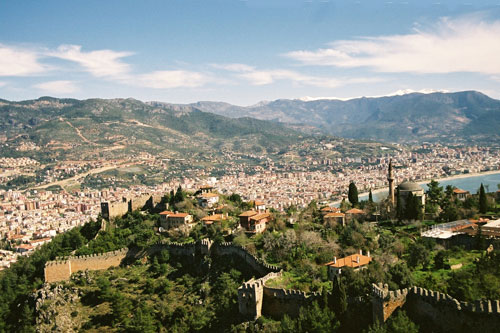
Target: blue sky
pixel 242 52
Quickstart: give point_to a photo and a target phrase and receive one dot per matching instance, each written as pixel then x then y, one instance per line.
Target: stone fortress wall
pixel 115 209
pixel 437 310
pixel 62 268
pixel 256 299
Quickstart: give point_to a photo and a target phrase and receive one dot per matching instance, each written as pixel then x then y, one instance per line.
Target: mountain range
pixel 98 127
pixel 413 117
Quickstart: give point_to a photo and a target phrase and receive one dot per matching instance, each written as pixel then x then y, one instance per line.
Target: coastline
pixel 462 175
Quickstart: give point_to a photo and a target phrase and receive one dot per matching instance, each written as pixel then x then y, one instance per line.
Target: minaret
pixel 390 178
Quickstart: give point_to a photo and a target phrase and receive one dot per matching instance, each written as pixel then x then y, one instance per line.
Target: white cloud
pixel 172 79
pixel 264 77
pixel 460 45
pixel 19 62
pixel 100 63
pixel 57 87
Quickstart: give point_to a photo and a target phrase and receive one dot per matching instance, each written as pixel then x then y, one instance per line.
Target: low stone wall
pixel 440 311
pixel 61 269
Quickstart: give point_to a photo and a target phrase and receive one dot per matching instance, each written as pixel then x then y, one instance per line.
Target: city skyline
pixel 243 52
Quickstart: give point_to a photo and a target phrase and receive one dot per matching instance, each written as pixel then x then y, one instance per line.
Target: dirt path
pixel 64 182
pixel 78 132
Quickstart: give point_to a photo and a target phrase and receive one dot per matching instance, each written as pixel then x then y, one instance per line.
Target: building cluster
pixel 282 189
pixel 30 219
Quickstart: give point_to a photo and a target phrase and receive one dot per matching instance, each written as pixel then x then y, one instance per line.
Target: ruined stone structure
pixel 62 268
pixel 256 299
pixel 436 310
pixel 115 209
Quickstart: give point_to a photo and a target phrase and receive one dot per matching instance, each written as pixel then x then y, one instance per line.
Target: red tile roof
pixel 355 211
pixel 355 260
pixel 248 213
pixel 259 217
pixel 335 215
pixel 179 215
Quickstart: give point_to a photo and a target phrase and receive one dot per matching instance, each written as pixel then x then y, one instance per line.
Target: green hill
pixel 447 117
pixel 70 128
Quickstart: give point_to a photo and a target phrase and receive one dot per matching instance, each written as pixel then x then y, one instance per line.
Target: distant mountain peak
pixel 400 92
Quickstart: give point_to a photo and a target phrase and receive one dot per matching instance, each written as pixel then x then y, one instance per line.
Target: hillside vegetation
pixel 412 117
pixel 69 128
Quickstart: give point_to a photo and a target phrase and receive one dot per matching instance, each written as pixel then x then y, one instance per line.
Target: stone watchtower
pixel 390 179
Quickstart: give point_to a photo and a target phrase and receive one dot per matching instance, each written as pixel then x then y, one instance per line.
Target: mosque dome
pixel 409 186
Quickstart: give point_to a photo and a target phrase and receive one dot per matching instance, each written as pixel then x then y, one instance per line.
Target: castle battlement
pixel 61 269
pixel 385 302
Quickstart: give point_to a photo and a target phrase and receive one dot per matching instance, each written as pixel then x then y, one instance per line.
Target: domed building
pixel 405 188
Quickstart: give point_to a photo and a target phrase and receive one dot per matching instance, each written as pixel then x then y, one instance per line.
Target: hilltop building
pixel 460 194
pixel 405 188
pixel 356 261
pixel 253 221
pixel 170 220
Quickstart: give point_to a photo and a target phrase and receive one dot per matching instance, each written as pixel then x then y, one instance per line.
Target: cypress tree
pixel 339 297
pixel 483 203
pixel 370 197
pixel 178 195
pixel 353 194
pixel 399 206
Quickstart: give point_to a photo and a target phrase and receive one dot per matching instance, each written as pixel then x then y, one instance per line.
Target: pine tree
pixel 353 194
pixel 483 203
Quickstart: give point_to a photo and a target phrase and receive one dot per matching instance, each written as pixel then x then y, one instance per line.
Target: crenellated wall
pixel 440 311
pixel 61 269
pixel 256 299
pixel 257 264
pixel 251 296
pixel 278 302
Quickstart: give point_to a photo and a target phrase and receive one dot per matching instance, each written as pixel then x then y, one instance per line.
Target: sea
pixel 471 184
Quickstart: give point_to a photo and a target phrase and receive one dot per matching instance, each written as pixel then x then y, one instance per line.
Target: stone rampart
pixel 257 264
pixel 440 311
pixel 278 302
pixel 116 209
pixel 251 295
pixel 256 299
pixel 62 268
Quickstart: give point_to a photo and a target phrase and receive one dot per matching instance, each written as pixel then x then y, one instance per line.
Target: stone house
pixel 460 194
pixel 170 220
pixel 214 218
pixel 208 200
pixel 253 221
pixel 335 218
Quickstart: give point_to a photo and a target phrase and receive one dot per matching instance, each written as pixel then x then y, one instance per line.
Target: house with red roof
pixel 460 194
pixel 356 261
pixel 253 221
pixel 169 220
